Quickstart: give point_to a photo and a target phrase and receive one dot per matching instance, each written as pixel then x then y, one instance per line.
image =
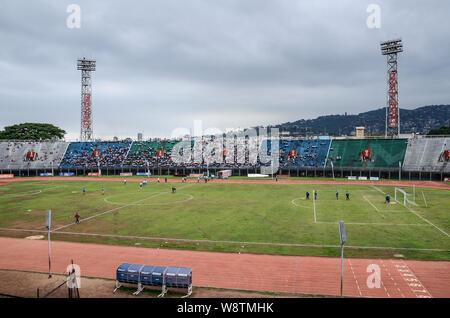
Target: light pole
pixel 48 219
pixel 343 238
pixel 391 49
pixel 332 168
pixel 86 66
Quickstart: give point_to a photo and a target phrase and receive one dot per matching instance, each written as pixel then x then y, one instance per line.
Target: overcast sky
pixel 230 63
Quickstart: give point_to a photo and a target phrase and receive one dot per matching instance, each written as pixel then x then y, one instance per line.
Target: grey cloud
pixel 234 63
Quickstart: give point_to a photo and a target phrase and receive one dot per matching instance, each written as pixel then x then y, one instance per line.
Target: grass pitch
pixel 247 218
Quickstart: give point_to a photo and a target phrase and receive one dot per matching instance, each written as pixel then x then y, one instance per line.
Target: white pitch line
pixel 386 224
pixel 374 206
pixel 189 198
pixel 314 205
pixel 31 192
pixel 424 200
pixel 379 190
pixel 21 194
pixel 415 213
pixel 301 206
pixel 371 203
pixel 230 242
pixel 115 209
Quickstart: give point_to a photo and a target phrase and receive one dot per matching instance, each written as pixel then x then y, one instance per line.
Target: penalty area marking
pixel 418 215
pixel 424 200
pixel 31 192
pixel 356 223
pixel 299 205
pixel 374 206
pixel 21 194
pixel 189 197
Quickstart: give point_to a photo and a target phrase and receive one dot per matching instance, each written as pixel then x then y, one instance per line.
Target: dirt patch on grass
pixel 28 224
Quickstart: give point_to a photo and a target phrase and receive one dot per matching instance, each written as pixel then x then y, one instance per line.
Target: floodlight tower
pixel 391 48
pixel 86 67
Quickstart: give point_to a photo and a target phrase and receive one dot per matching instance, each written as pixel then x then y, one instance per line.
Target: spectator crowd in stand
pixel 94 154
pixel 207 152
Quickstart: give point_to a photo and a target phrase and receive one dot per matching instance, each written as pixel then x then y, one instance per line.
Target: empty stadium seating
pixel 386 153
pixel 427 154
pixel 31 154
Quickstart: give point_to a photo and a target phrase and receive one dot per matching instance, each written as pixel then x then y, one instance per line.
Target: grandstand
pixel 31 154
pixel 415 158
pixel 311 154
pixel 367 153
pixel 427 154
pixel 95 154
pixel 153 153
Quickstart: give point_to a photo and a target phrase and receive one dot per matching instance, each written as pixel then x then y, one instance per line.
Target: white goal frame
pixel 405 197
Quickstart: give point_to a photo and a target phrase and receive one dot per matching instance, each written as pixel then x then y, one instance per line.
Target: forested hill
pixel 419 120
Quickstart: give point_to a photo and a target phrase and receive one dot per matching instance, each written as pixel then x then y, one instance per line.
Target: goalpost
pixel 401 194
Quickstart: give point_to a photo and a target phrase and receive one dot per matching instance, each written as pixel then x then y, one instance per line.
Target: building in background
pixel 359 132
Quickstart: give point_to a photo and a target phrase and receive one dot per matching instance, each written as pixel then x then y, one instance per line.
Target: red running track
pixel 275 273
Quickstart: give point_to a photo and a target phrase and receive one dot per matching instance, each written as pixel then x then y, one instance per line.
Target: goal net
pixel 404 198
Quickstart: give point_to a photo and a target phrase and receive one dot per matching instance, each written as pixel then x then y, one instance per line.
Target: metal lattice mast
pixel 86 67
pixel 391 48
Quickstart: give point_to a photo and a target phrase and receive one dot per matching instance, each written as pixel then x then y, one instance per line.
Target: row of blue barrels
pixel 170 276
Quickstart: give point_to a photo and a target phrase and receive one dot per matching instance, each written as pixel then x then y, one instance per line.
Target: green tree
pixel 444 130
pixel 32 131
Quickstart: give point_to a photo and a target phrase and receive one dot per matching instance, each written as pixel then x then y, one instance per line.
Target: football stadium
pixel 249 213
